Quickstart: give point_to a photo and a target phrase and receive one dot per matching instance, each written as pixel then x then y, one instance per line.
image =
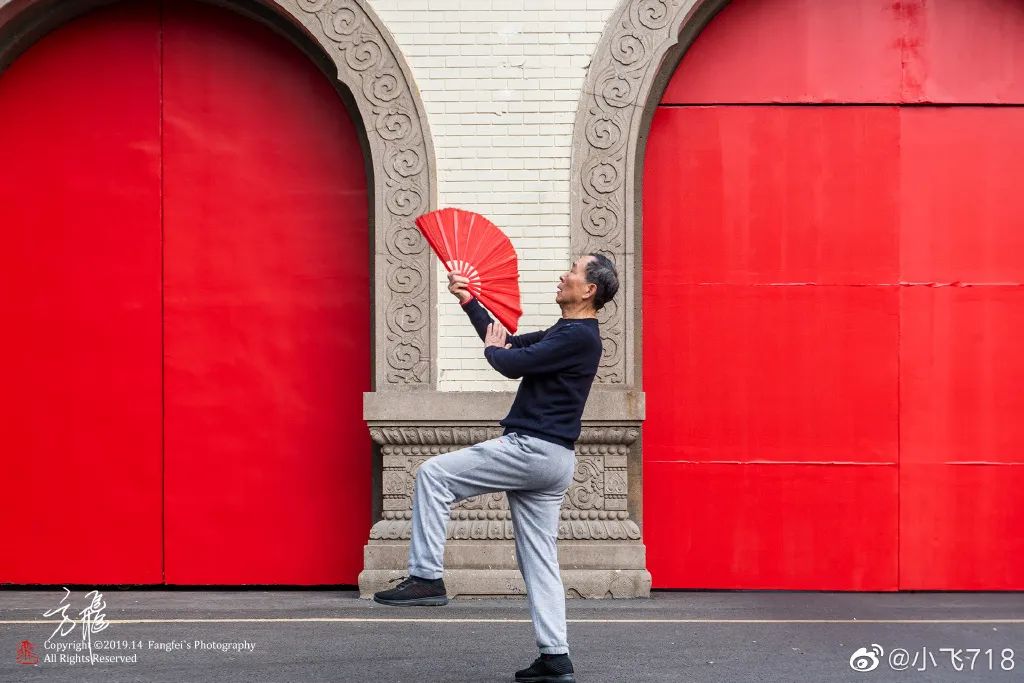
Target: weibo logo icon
pixel 866 660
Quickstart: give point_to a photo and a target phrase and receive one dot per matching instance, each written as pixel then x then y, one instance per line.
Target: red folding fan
pixel 470 244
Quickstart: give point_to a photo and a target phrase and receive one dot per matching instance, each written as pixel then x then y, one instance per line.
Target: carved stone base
pixel 479 569
pixel 600 544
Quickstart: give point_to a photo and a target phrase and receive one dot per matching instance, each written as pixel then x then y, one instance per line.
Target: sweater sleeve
pixel 481 319
pixel 558 350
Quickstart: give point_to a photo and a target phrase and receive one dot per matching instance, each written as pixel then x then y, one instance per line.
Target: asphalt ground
pixel 332 635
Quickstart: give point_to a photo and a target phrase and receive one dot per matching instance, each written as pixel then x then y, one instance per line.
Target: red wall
pixel 832 292
pixel 184 275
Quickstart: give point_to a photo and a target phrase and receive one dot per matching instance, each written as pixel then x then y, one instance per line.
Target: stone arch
pixel 636 55
pixel 345 36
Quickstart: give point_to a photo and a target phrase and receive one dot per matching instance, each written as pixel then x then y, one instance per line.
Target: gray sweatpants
pixel 535 474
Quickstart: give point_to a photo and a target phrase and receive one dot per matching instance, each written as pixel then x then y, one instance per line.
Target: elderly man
pixel 533 461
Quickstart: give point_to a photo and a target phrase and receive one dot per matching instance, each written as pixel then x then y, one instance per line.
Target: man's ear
pixel 590 292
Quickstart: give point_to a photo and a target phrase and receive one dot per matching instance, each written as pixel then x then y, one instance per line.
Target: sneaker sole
pixel 560 678
pixel 414 602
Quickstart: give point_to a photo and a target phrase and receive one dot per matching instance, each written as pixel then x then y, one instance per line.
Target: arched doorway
pixel 186 269
pixel 832 268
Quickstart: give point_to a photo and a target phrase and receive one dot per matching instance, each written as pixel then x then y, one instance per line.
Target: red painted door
pixel 80 420
pixel 832 288
pixel 186 267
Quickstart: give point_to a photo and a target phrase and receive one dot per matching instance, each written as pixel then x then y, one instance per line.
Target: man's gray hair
pixel 601 272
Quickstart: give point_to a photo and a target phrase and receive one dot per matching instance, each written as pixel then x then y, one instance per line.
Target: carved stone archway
pixel 635 57
pixel 346 37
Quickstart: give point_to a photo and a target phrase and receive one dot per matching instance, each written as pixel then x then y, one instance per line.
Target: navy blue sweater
pixel 557 365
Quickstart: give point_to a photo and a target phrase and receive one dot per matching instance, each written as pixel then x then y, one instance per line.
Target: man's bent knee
pixel 431 470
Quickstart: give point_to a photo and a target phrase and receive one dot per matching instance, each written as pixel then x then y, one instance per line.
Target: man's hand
pixel 457 286
pixel 496 336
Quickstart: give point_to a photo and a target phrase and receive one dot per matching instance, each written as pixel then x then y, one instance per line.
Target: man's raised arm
pixel 481 319
pixel 479 316
pixel 557 351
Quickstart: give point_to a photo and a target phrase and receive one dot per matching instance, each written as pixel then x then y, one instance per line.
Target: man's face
pixel 573 285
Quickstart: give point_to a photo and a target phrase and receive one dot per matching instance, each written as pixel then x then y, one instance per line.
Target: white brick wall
pixel 500 80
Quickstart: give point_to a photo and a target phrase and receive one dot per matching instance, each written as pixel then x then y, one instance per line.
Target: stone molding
pixel 614 409
pixel 496 530
pixel 636 54
pixel 401 168
pixel 429 439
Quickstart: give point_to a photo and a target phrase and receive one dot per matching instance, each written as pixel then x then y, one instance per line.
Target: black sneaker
pixel 413 591
pixel 548 669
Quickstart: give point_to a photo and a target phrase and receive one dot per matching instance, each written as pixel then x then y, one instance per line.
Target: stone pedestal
pixel 599 545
